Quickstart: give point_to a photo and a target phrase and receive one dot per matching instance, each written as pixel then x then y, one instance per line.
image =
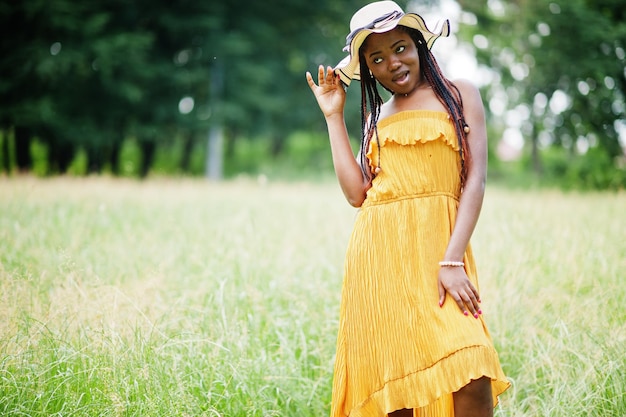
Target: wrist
pixel 334 117
pixel 451 264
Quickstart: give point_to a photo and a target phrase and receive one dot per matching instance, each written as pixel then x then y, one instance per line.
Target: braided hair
pixel 447 93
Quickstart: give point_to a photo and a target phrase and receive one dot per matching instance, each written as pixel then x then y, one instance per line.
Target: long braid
pixel 447 93
pixel 370 97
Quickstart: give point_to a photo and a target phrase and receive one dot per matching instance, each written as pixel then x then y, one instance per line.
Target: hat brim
pixel 348 68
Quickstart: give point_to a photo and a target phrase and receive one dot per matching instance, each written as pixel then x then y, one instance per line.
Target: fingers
pixel 328 79
pixel 468 301
pixel 320 75
pixel 442 294
pixel 331 77
pixel 325 77
pixel 309 80
pixel 464 295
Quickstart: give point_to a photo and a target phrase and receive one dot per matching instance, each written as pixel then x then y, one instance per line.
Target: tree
pixel 90 75
pixel 562 64
pixel 264 50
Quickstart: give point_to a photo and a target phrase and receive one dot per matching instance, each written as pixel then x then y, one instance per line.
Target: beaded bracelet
pixel 451 263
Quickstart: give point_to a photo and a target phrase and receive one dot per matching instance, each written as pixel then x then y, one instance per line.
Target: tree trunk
pixel 60 151
pixel 215 153
pixel 214 169
pixel 94 159
pixel 148 149
pixel 114 157
pixel 5 164
pixel 185 160
pixel 535 157
pixel 23 137
pixel 231 143
pixel 278 144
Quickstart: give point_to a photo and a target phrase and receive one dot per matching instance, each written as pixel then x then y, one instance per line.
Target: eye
pixel 400 49
pixel 377 60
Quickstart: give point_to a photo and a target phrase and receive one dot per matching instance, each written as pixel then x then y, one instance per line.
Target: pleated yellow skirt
pixel 396 347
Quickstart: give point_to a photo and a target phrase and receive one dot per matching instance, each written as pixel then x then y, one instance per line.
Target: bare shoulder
pixel 469 91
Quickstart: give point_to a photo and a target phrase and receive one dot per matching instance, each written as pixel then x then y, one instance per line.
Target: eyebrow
pixel 392 46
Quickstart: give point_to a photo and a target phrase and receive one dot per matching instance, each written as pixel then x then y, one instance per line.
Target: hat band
pixel 381 21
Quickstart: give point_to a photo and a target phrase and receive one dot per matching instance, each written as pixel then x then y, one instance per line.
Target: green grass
pixel 187 298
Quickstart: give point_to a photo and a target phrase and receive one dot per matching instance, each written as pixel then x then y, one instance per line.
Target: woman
pixel 412 339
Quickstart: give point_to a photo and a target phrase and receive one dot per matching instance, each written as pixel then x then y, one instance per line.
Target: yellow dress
pixel 396 347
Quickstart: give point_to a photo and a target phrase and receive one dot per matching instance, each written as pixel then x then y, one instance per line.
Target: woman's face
pixel 393 59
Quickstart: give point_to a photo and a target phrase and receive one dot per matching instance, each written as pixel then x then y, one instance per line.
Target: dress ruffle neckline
pixel 410 127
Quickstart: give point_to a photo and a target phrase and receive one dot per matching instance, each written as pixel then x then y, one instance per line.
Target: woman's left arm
pixel 453 280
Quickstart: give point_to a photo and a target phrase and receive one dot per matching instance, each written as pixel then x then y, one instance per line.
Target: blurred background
pixel 217 89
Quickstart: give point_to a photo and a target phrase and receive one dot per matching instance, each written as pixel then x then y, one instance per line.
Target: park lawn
pixel 180 297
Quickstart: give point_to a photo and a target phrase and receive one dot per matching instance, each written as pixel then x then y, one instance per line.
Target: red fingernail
pixel 465 312
pixel 475 315
pixel 480 312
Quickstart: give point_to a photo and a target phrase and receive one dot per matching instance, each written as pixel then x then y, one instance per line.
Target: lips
pixel 401 78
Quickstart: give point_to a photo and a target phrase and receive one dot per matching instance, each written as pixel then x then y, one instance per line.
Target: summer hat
pixel 379 17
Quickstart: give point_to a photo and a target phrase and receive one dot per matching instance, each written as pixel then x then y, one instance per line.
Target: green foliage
pixel 90 75
pixel 543 50
pixel 596 170
pixel 85 77
pixel 130 159
pixel 561 168
pixel 305 156
pixel 197 160
pixel 80 164
pixel 167 160
pixel 39 155
pixel 7 151
pixel 248 157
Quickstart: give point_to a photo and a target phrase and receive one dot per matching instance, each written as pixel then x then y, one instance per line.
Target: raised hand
pixel 329 92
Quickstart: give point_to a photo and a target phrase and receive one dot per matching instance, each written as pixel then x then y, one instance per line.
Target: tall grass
pixel 187 298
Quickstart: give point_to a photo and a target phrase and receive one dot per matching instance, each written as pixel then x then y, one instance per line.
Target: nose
pixel 394 63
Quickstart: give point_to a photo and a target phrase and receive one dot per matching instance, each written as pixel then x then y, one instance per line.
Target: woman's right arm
pixel 331 97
